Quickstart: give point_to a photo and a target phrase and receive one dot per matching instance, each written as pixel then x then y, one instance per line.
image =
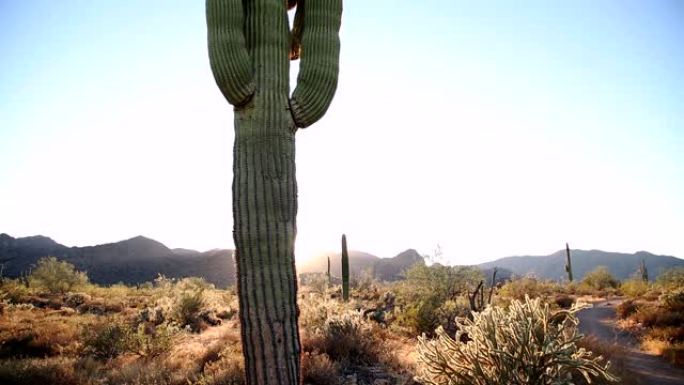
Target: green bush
pixel 533 287
pixel 634 287
pixel 112 338
pixel 600 279
pixel 151 341
pixel 674 300
pixel 187 308
pixel 347 338
pixel 522 344
pixel 431 295
pixel 107 339
pixel 57 276
pixel 672 278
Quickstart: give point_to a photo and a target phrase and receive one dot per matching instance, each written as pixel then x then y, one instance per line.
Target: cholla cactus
pixel 524 344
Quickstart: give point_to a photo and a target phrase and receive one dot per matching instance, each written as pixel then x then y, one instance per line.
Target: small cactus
pixel 345 269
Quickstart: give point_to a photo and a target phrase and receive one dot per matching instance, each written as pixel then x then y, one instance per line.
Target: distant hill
pixel 131 261
pixel 552 266
pixel 384 269
pixel 141 259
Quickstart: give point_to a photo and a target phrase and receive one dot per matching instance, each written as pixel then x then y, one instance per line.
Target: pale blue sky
pixel 492 128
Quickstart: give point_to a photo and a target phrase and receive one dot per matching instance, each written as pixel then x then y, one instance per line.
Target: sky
pixel 489 128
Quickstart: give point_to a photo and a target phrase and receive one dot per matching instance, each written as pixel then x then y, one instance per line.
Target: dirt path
pixel 600 320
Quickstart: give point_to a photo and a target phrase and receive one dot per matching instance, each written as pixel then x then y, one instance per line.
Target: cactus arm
pixel 319 67
pixel 228 56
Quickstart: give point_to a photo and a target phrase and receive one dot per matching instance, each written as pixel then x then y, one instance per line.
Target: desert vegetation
pixel 654 311
pixel 438 325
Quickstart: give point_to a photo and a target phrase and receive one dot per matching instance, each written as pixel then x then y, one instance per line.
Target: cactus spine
pixel 345 269
pixel 568 264
pixel 250 46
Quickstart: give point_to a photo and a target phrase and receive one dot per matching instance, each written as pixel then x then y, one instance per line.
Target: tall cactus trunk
pixel 250 46
pixel 643 271
pixel 345 269
pixel 568 264
pixel 328 273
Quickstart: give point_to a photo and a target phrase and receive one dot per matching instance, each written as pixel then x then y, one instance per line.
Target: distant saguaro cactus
pixel 328 272
pixel 643 271
pixel 345 269
pixel 568 264
pixel 250 46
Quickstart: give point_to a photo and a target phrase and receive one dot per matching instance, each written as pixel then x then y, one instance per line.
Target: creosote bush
pixel 634 287
pixel 57 276
pixel 111 338
pixel 600 279
pixel 524 344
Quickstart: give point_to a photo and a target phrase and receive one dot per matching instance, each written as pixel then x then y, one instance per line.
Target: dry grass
pixel 33 332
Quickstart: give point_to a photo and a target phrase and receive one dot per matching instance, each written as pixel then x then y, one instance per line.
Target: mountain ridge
pixel 552 266
pixel 140 259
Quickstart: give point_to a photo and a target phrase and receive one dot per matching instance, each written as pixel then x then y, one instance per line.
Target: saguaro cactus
pixel 568 264
pixel 328 272
pixel 250 46
pixel 345 269
pixel 643 271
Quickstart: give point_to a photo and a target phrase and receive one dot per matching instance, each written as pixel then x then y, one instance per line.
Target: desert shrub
pixel 364 281
pixel 626 309
pixel 419 316
pixel 670 334
pixel 564 301
pixel 422 298
pixel 522 344
pixel 600 279
pixel 444 282
pixel 647 315
pixel 187 308
pixel 76 299
pixel 674 300
pixel 316 310
pixel 14 291
pixel 634 287
pixel 672 278
pixel 107 339
pixel 111 338
pixel 517 289
pixel 319 369
pixel 151 341
pixel 346 338
pixel 57 276
pixel 222 367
